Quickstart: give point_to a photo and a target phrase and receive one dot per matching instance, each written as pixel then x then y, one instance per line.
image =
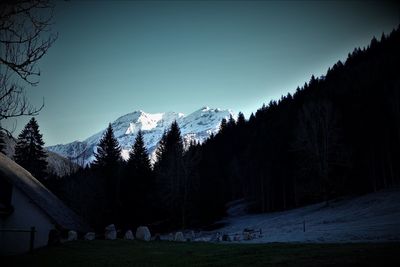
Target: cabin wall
pixel 25 215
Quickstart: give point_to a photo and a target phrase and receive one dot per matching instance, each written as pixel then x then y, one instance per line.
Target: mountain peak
pixel 197 126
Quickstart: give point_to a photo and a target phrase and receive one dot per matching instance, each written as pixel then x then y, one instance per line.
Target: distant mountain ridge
pixel 57 164
pixel 197 126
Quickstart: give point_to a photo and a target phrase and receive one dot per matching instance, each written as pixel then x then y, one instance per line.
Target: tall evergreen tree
pixel 139 157
pixel 241 121
pixel 137 185
pixel 170 176
pixel 107 163
pixel 160 150
pixel 252 117
pixel 222 126
pixel 29 152
pixel 108 153
pixel 231 121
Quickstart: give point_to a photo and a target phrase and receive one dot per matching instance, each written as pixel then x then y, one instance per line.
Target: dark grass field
pixel 135 253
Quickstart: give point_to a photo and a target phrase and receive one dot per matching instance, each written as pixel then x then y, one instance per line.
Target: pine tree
pixel 107 164
pixel 170 176
pixel 222 126
pixel 252 118
pixel 241 121
pixel 29 152
pixel 231 122
pixel 160 151
pixel 108 153
pixel 139 157
pixel 174 139
pixel 137 185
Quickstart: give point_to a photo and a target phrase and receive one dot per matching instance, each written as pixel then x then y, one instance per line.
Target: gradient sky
pixel 114 57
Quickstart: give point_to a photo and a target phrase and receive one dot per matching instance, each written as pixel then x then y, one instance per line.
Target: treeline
pixel 337 135
pixel 133 192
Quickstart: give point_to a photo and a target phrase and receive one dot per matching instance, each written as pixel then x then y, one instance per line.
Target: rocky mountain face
pixel 197 126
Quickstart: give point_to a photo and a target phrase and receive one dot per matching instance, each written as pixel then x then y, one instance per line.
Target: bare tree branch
pixel 319 141
pixel 25 37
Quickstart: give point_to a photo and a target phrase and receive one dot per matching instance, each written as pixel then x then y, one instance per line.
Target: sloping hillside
pixel 373 217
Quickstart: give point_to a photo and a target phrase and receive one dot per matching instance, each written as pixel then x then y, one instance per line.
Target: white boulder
pixel 143 233
pixel 110 233
pixel 128 235
pixel 170 237
pixel 237 237
pixel 179 237
pixel 89 236
pixel 217 237
pixel 247 236
pixel 72 235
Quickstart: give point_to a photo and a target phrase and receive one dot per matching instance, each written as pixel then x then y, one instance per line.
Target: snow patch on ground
pixel 371 218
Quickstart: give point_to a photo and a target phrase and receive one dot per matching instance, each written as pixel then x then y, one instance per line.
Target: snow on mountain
pixel 197 126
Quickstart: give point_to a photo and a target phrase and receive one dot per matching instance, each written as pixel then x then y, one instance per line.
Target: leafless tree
pixel 25 37
pixel 319 142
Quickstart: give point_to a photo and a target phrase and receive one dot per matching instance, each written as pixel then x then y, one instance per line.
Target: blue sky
pixel 114 57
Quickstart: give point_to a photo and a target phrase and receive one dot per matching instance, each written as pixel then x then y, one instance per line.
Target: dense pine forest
pixel 337 135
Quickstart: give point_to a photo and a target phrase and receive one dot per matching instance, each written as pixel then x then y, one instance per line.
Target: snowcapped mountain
pixel 197 126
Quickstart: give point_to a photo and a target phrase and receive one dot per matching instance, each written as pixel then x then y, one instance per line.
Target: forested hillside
pixel 338 134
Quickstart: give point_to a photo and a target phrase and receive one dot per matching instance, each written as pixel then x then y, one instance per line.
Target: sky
pixel 114 57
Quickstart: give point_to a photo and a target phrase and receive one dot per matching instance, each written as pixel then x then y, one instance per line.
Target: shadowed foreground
pixel 134 253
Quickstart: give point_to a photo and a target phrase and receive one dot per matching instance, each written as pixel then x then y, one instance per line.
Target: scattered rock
pixel 129 235
pixel 170 237
pixel 72 235
pixel 179 237
pixel 143 233
pixel 89 236
pixel 217 237
pixel 110 232
pixel 247 235
pixel 236 237
pixel 226 237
